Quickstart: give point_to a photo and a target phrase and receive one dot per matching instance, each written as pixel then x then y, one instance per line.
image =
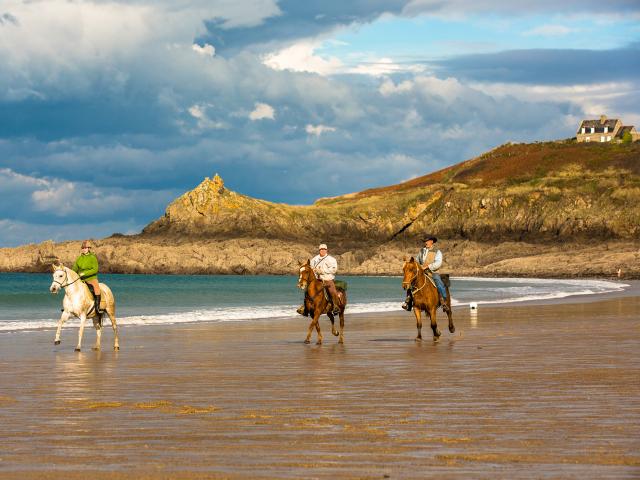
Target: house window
pixel 588 139
pixel 601 138
pixel 608 138
pixel 583 129
pixel 593 130
pixel 606 129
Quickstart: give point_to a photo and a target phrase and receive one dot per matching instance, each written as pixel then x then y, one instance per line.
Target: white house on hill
pixel 605 130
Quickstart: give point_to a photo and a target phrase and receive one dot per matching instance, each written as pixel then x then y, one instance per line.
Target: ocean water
pixel 26 304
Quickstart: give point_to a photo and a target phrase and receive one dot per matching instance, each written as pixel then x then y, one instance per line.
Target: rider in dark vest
pixel 430 259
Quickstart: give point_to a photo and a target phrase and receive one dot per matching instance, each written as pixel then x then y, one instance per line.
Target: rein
pixel 415 277
pixel 306 290
pixel 66 278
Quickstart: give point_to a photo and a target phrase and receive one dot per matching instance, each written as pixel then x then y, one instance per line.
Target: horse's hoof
pixel 57 342
pixel 307 342
pixel 452 329
pixel 77 349
pixel 318 342
pixel 116 348
pixel 341 341
pixel 418 339
pixel 335 334
pixel 95 348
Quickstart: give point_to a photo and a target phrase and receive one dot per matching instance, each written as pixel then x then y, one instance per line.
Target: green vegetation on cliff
pixel 541 191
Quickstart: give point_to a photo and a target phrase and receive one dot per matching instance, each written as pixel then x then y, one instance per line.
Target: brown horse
pixel 317 304
pixel 425 297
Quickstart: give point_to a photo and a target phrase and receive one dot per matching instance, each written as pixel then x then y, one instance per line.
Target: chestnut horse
pixel 425 297
pixel 317 304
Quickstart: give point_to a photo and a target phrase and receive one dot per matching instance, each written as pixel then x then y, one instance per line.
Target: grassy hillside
pixel 540 192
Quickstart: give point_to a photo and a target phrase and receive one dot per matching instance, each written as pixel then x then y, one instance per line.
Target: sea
pixel 26 304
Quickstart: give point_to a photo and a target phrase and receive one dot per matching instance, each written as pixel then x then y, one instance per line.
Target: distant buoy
pixel 473 306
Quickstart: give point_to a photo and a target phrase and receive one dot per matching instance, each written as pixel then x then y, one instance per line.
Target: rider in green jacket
pixel 87 267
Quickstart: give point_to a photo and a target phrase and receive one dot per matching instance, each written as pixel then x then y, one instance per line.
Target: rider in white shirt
pixel 325 267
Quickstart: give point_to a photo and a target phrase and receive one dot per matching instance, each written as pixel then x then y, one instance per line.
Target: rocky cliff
pixel 544 209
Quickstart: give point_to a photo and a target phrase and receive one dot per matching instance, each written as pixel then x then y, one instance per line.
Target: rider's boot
pixel 302 310
pixel 97 308
pixel 336 304
pixel 408 303
pixel 443 302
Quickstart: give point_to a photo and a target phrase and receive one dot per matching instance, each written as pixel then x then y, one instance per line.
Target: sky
pixel 111 109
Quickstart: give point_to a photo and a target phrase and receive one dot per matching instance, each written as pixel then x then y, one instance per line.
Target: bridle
pixel 309 272
pixel 66 278
pixel 412 279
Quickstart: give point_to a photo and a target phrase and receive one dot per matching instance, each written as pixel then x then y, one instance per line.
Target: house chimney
pixel 603 119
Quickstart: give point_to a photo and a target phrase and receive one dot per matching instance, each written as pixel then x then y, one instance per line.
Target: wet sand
pixel 529 391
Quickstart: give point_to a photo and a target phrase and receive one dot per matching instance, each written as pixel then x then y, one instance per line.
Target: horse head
pixel 410 270
pixel 306 275
pixel 59 278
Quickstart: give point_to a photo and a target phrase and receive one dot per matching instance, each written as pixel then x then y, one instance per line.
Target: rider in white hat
pixel 325 267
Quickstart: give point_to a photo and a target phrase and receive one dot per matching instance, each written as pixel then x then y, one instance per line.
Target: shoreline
pixel 518 391
pixel 632 289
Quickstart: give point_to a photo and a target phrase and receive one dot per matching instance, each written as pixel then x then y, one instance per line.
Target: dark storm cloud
pixel 298 19
pixel 548 67
pixel 7 18
pixel 457 8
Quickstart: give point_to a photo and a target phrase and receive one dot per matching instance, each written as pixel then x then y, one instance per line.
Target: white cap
pixel 323 245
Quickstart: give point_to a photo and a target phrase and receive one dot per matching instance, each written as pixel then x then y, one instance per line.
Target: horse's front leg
pixel 83 318
pixel 333 324
pixel 63 318
pixel 416 312
pixel 341 339
pixel 319 342
pixel 434 324
pixel 314 318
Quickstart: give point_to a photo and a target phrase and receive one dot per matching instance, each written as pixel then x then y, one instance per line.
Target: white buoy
pixel 473 306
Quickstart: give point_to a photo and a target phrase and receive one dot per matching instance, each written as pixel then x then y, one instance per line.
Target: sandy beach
pixel 520 391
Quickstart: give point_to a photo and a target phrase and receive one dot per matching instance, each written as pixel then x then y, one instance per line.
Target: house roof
pixel 626 128
pixel 609 122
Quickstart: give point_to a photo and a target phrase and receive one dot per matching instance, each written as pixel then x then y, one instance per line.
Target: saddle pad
pixel 341 285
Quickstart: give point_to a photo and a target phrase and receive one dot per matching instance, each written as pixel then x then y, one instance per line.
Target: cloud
pixel 59 201
pixel 206 49
pixel 546 66
pixel 262 111
pixel 14 233
pixel 460 8
pixel 550 30
pixel 318 130
pixel 7 18
pixel 301 57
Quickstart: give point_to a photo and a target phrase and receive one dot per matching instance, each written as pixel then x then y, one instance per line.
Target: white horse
pixel 79 302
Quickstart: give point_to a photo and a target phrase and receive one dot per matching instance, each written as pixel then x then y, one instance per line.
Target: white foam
pixel 231 314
